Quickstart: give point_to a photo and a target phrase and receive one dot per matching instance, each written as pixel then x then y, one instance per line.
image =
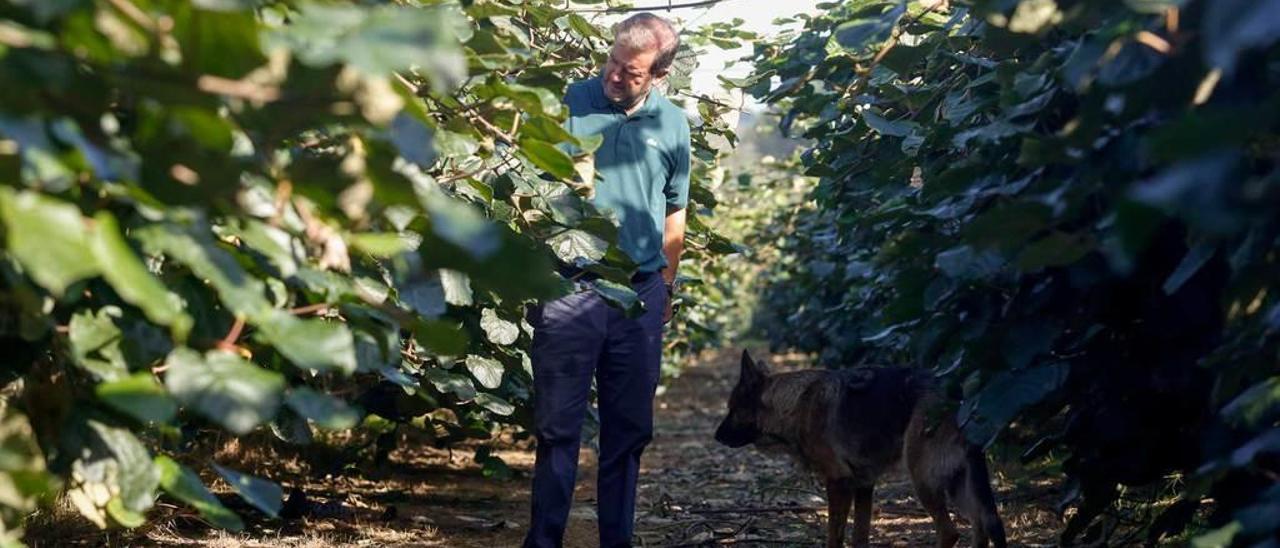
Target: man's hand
pixel 666 316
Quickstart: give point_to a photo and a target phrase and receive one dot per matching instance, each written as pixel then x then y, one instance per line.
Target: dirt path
pixel 693 492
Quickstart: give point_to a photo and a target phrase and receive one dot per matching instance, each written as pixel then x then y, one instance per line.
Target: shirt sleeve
pixel 677 187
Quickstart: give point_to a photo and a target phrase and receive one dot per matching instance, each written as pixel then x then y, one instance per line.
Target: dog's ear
pixel 752 371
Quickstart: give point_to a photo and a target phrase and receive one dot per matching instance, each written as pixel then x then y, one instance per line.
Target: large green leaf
pixel 318 345
pixel 241 292
pixel 140 396
pixel 450 383
pixel 548 157
pixel 325 410
pixel 1056 249
pixel 460 224
pixel 619 295
pixel 264 495
pixel 49 237
pixel 185 485
pixel 130 278
pixel 1259 405
pixel 222 43
pixel 457 287
pixel 859 34
pixel 442 337
pixel 379 40
pixel 224 388
pixel 96 343
pixel 486 370
pixel 987 413
pixel 578 247
pixel 23 463
pixel 134 474
pixel 494 404
pixel 498 330
pixel 1232 26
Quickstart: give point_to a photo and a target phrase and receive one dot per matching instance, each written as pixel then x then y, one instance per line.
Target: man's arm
pixel 672 247
pixel 677 194
pixel 673 243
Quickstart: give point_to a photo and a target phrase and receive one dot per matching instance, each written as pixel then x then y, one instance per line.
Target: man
pixel 644 166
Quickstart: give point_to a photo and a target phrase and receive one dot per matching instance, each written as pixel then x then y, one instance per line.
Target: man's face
pixel 627 75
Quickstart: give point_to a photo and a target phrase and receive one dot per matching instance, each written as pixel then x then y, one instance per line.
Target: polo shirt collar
pixel 598 100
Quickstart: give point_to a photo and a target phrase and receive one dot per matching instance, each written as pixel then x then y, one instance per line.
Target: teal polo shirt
pixel 643 165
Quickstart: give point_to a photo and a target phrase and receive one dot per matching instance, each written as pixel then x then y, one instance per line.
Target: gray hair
pixel 646 31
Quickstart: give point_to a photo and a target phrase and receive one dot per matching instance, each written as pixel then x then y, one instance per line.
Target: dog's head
pixel 742 425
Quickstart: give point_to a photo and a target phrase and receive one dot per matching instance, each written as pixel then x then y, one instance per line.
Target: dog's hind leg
pixel 978 503
pixel 934 500
pixel 930 465
pixel 839 498
pixel 862 497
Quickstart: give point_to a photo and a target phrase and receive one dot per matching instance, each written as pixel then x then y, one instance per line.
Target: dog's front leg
pixel 839 498
pixel 862 516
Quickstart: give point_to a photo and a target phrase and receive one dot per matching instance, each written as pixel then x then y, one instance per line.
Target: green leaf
pixel 459 224
pixel 457 287
pixel 135 475
pixel 262 494
pixel 1258 405
pixel 486 370
pixel 443 337
pixel 583 27
pixel 22 460
pixel 1032 16
pixel 1006 395
pixel 325 410
pixel 1233 26
pixel 494 404
pixel 498 330
pixel 124 516
pixel 131 280
pixel 48 237
pixel 140 396
pixel 242 293
pixel 221 43
pixel 577 247
pixel 620 296
pixel 382 244
pixel 859 34
pixel 224 388
pixel 1153 6
pixel 885 127
pixel 450 383
pixel 1056 249
pixel 1196 258
pixel 1217 538
pixel 966 263
pixel 314 344
pixel 529 99
pixel 424 292
pixel 413 139
pixel 185 485
pixel 382 39
pixel 95 343
pixel 548 157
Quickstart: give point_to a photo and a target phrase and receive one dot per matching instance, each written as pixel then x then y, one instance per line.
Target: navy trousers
pixel 576 338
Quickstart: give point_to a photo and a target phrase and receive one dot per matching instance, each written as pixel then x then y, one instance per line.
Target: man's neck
pixel 634 106
pixel 637 104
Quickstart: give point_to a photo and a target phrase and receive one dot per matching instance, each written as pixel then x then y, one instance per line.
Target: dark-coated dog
pixel 851 427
